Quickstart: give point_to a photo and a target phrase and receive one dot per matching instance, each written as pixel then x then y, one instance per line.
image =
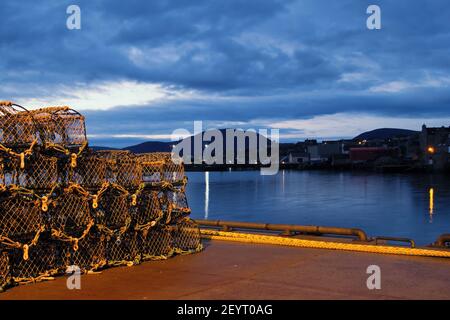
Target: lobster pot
pixel 90 255
pixel 5 274
pixel 42 261
pixel 148 207
pixel 60 126
pixel 90 172
pixel 173 171
pixel 40 172
pixel 17 130
pixel 11 172
pixel 111 157
pixel 123 249
pixel 175 205
pixel 73 124
pixel 71 215
pixel 114 209
pixel 129 172
pixel 156 244
pixel 152 167
pixel 186 236
pixel 20 216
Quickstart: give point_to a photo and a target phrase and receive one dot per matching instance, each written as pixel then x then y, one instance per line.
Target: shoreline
pixel 404 169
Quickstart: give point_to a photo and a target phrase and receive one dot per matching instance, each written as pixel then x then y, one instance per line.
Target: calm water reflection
pixel 414 206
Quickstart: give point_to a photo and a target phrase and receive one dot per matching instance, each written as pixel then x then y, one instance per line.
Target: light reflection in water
pixel 206 194
pixel 431 203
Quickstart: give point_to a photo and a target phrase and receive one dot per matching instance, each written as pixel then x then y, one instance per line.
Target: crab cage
pixel 123 249
pixel 123 168
pixel 90 254
pixel 173 169
pixel 129 172
pixel 113 210
pixel 186 236
pixel 42 262
pixel 21 217
pixel 9 171
pixel 156 243
pixel 61 129
pixel 175 205
pixel 39 173
pixel 148 209
pixel 17 129
pixel 70 215
pixel 90 172
pixel 152 165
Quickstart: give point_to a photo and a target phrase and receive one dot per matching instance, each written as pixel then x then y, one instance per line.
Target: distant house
pixel 324 151
pixel 298 157
pixel 435 146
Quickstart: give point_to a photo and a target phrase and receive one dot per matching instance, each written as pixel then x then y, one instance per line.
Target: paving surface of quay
pixel 226 270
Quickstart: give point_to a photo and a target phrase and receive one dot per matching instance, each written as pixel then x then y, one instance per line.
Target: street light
pixel 431 150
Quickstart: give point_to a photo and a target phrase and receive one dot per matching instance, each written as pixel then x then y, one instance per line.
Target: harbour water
pixel 413 206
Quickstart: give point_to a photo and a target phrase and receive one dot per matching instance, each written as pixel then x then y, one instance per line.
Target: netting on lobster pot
pixel 60 128
pixel 111 157
pixel 21 218
pixel 152 167
pixel 174 170
pixel 40 172
pixel 175 205
pixel 123 249
pixel 148 209
pixel 17 130
pixel 42 262
pixel 10 169
pixel 90 254
pixel 90 172
pixel 156 243
pixel 70 217
pixel 114 208
pixel 5 274
pixel 129 172
pixel 112 154
pixel 186 236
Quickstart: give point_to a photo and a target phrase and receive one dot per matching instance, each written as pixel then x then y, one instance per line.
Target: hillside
pixel 385 133
pixel 151 146
pixel 158 146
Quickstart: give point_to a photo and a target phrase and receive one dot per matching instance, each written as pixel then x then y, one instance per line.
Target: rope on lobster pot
pixel 20 155
pixel 99 194
pixel 64 237
pixel 23 246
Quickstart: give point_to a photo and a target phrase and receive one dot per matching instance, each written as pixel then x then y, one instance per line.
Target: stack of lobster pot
pixel 162 215
pixel 27 176
pixel 63 204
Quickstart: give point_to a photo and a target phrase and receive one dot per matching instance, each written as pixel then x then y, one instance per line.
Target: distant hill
pixel 158 146
pixel 99 148
pixel 385 133
pixel 151 146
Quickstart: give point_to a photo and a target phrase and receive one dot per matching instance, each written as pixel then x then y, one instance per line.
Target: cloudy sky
pixel 140 69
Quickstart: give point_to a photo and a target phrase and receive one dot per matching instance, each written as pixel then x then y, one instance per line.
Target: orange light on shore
pixel 431 149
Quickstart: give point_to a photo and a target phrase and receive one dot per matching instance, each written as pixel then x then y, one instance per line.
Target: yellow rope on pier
pixel 317 244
